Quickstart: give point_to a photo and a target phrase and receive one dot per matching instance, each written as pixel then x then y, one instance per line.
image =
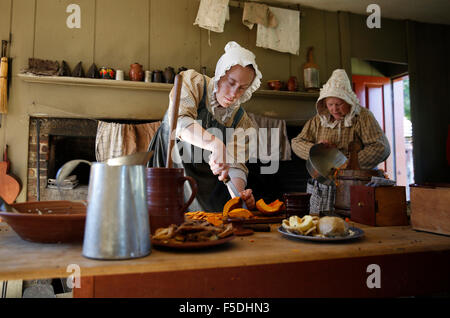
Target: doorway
pixel 384 89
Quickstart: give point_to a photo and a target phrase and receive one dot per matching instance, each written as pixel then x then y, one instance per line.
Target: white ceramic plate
pixel 357 233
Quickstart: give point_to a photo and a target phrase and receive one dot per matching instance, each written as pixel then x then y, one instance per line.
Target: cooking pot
pixel 323 161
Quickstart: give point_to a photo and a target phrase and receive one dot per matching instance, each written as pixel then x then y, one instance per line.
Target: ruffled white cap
pixel 338 85
pixel 237 55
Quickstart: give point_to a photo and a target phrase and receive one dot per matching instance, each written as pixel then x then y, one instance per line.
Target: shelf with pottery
pixel 126 84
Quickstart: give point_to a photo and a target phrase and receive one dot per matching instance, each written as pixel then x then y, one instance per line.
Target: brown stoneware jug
pixel 169 75
pixel 136 72
pixel 292 84
pixel 165 196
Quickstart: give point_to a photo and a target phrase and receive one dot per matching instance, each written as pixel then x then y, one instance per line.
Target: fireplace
pixel 60 140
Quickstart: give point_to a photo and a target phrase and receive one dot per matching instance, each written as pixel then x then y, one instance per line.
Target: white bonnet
pixel 338 85
pixel 234 55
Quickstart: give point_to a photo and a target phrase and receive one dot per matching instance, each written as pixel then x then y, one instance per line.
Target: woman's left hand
pixel 247 196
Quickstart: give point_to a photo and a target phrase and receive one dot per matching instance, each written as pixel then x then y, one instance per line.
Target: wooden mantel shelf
pixel 161 87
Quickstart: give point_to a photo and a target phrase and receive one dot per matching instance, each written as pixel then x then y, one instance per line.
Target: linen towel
pixel 211 15
pixel 115 140
pixel 286 36
pixel 258 13
pixel 108 141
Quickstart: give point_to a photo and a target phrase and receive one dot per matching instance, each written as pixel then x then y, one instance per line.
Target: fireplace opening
pixel 65 148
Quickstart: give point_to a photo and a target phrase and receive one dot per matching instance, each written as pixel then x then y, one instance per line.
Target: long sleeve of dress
pixel 306 139
pixel 376 146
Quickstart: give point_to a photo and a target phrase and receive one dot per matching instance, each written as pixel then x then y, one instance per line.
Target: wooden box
pixel 378 206
pixel 430 208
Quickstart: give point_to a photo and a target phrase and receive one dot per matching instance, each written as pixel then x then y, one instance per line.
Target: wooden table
pixel 265 264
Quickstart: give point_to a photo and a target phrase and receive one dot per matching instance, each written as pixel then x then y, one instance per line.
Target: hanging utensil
pixel 173 113
pixel 4 80
pixel 10 185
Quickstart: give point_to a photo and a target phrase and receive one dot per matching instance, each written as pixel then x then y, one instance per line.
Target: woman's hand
pixel 220 169
pixel 217 160
pixel 327 144
pixel 247 196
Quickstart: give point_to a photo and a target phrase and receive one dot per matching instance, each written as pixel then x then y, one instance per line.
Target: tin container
pixel 117 222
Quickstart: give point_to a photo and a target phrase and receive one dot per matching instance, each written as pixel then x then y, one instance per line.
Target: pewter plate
pixel 357 233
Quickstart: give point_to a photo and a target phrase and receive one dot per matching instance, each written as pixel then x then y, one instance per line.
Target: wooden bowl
pixel 48 221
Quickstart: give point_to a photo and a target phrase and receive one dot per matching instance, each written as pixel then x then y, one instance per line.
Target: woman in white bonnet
pixel 340 120
pixel 208 106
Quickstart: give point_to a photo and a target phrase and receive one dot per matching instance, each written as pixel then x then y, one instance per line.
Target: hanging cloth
pixel 211 15
pixel 258 13
pixel 286 36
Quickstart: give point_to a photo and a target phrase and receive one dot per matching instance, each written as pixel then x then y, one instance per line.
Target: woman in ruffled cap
pixel 340 120
pixel 208 106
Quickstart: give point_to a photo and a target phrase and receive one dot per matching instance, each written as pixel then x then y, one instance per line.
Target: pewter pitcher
pixel 117 223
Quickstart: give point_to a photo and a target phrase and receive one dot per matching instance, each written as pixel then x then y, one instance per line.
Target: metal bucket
pixel 117 222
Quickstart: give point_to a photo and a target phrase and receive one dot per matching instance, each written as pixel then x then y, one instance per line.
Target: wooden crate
pixel 378 206
pixel 430 208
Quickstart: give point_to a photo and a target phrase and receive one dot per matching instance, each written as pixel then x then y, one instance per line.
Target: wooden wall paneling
pixel 345 42
pixel 5 29
pixel 273 65
pixel 121 33
pixel 332 52
pixel 234 30
pixel 5 19
pixel 54 40
pixel 174 40
pixel 312 33
pixel 387 43
pixel 16 128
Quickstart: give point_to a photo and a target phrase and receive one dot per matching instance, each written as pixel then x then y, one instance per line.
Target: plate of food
pixel 324 229
pixel 193 234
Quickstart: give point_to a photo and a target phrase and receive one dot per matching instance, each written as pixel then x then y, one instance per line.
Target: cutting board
pixel 262 219
pixel 9 184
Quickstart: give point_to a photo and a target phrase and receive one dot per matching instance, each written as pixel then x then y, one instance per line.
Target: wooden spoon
pixel 173 113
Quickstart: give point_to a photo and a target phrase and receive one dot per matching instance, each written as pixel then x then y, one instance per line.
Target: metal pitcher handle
pixel 194 187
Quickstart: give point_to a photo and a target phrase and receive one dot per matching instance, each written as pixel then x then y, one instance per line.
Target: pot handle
pixel 194 187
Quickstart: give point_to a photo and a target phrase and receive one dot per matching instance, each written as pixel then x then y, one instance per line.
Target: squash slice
pixel 234 203
pixel 272 208
pixel 240 213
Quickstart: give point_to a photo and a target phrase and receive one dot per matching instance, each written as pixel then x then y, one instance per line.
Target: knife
pixel 232 188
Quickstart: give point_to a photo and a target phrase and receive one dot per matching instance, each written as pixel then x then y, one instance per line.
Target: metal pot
pixel 323 161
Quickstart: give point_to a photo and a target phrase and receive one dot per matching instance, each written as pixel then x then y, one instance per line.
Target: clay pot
pixel 136 72
pixel 275 85
pixel 169 75
pixel 292 84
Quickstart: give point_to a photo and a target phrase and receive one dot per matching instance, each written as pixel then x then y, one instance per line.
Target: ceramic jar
pixel 107 73
pixel 169 75
pixel 136 72
pixel 292 84
pixel 157 76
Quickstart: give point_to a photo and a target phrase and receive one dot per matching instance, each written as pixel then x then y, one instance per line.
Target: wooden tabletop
pixel 20 259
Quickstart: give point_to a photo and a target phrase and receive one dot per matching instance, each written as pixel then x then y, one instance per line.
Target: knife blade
pixel 232 188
